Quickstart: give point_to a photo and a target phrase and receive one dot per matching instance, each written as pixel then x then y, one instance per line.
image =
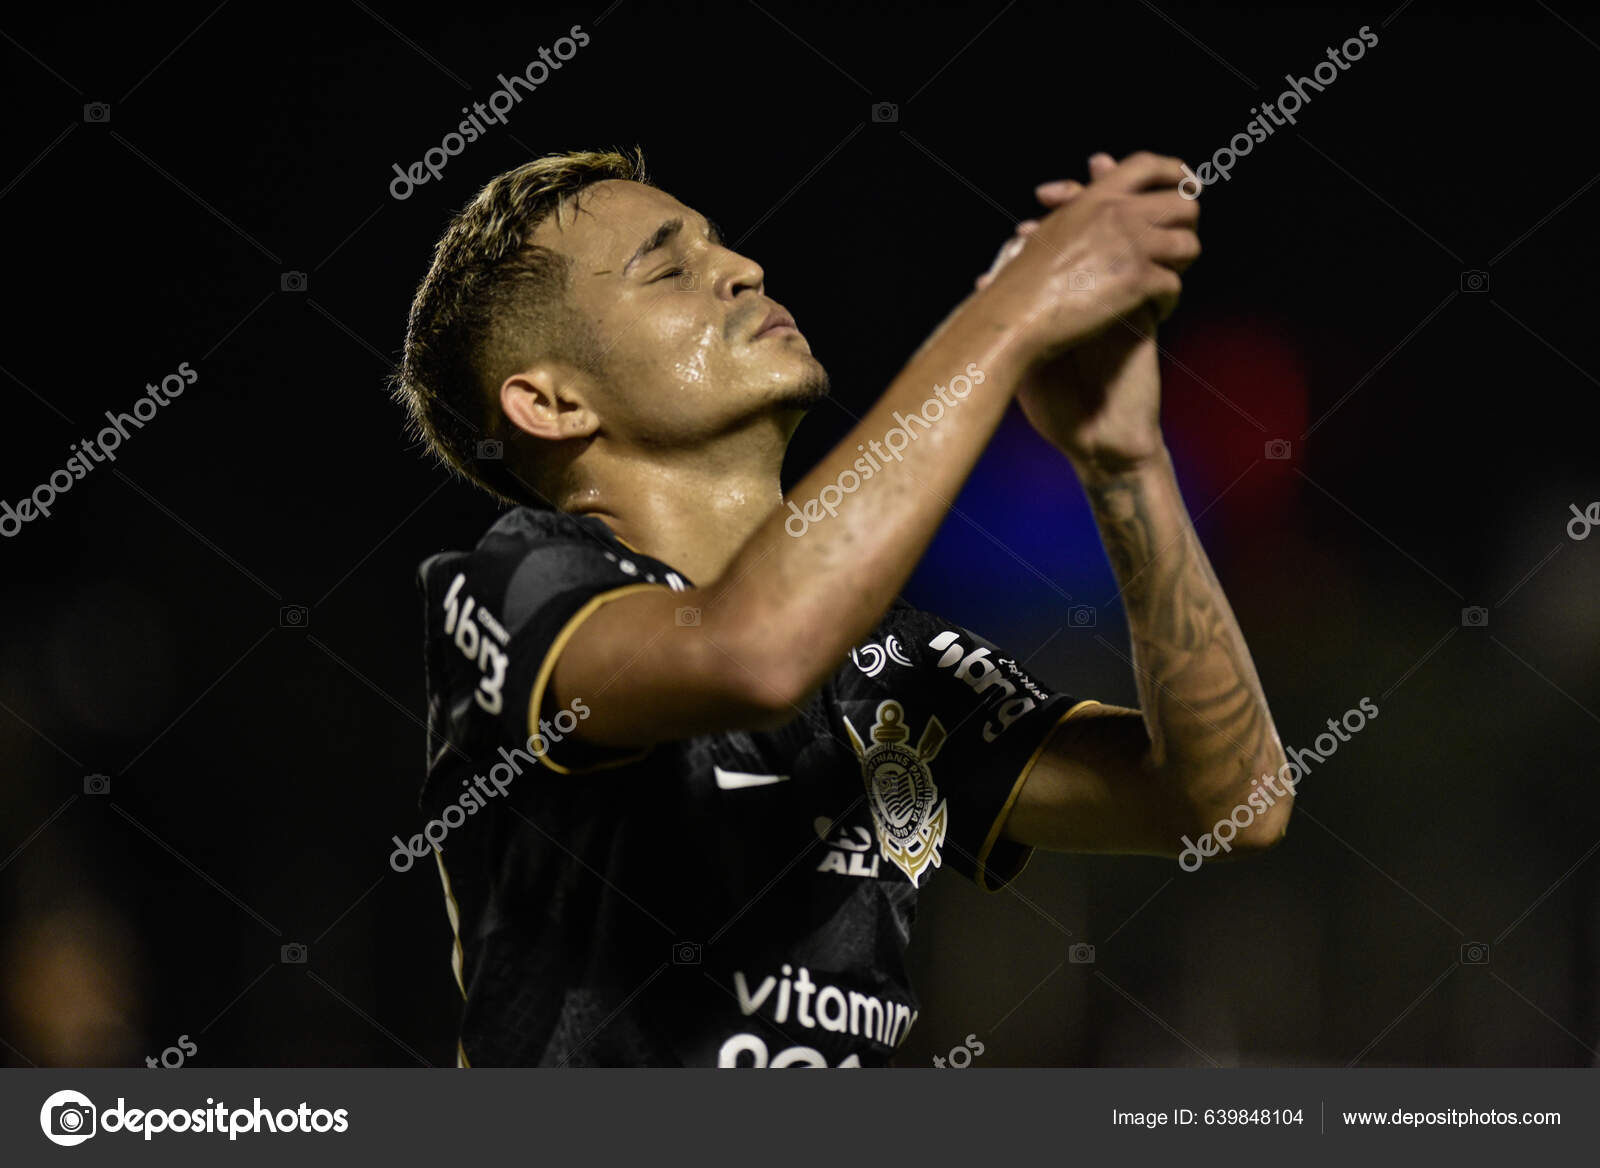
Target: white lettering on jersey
pixel 985 677
pixel 836 1010
pixel 463 617
pixel 846 854
pixel 872 657
pixel 793 1056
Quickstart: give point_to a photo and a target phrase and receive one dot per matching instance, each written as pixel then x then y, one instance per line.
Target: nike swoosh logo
pixel 736 780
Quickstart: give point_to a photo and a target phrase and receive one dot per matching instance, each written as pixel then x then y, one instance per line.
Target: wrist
pixel 982 330
pixel 1098 467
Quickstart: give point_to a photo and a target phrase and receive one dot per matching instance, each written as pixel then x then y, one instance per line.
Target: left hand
pixel 1099 403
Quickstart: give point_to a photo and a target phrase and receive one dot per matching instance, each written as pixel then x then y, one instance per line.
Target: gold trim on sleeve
pixel 536 699
pixel 454 912
pixel 1016 789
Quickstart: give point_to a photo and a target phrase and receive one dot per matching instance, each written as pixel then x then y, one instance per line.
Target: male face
pixel 692 346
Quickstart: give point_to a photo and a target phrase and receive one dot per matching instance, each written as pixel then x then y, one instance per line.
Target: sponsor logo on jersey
pixel 872 657
pixel 816 1006
pixel 469 624
pixel 738 780
pixel 987 677
pixel 910 817
pixel 847 851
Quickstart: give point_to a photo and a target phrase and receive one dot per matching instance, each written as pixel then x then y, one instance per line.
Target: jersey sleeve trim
pixel 989 840
pixel 453 911
pixel 548 666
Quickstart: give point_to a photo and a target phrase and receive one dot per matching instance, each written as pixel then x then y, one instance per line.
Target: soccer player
pixel 690 757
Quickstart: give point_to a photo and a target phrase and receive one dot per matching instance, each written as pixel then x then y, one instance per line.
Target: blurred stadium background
pixel 224 623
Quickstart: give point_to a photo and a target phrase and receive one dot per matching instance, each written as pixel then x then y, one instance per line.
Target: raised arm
pixel 788 609
pixel 1119 780
pixel 1203 742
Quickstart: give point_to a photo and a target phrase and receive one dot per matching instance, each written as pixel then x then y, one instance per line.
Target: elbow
pixel 1266 831
pixel 1270 803
pixel 1251 819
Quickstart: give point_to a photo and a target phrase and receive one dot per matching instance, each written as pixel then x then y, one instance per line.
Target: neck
pixel 692 509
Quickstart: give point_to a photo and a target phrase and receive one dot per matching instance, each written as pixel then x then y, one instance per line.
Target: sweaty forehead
pixel 610 221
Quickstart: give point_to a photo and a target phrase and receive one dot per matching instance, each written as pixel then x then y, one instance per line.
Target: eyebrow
pixel 664 235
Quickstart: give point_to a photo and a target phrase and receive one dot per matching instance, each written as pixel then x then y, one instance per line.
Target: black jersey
pixel 733 899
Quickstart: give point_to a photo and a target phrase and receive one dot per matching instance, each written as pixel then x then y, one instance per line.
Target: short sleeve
pixel 498 619
pixel 936 701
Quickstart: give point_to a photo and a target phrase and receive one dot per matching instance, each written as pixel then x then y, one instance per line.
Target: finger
pixel 1027 227
pixel 1168 208
pixel 1174 248
pixel 1143 171
pixel 1053 194
pixel 1168 288
pixel 1100 165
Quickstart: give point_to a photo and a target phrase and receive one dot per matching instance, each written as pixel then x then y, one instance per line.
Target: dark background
pixel 1438 433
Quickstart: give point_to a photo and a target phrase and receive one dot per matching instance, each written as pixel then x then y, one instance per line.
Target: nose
pixel 739 274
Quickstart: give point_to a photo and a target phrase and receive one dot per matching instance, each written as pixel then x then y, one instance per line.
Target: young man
pixel 690 758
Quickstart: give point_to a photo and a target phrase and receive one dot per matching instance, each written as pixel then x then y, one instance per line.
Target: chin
pixel 808 390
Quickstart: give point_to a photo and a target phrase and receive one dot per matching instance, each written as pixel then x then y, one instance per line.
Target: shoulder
pixel 906 635
pixel 528 554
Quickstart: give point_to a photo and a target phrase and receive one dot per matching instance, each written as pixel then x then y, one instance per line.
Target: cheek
pixel 695 351
pixel 667 340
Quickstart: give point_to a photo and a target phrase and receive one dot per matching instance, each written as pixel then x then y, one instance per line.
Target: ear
pixel 550 402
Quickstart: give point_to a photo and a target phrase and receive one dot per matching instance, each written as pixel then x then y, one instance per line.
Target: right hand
pixel 1117 245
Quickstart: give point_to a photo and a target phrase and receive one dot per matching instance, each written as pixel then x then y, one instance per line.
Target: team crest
pixel 906 808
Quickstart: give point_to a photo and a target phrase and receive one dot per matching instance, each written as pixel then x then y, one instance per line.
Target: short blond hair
pixel 492 301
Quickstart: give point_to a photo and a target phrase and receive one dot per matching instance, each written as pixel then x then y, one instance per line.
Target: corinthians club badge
pixel 906 808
